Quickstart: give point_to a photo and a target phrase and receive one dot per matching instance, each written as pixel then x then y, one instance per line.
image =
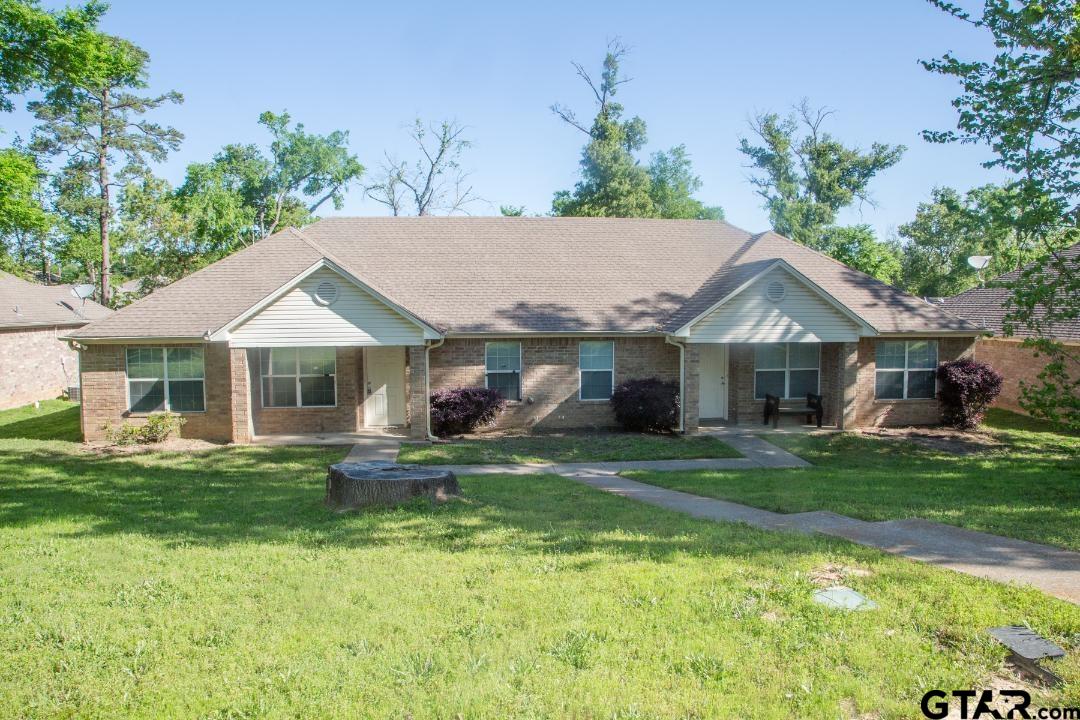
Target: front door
pixel 712 381
pixel 384 386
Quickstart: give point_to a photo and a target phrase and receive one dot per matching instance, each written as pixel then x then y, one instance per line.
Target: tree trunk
pixel 360 485
pixel 104 210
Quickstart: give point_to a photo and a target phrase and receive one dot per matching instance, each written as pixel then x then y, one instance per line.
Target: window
pixel 504 368
pixel 787 370
pixel 596 366
pixel 165 379
pixel 906 369
pixel 299 377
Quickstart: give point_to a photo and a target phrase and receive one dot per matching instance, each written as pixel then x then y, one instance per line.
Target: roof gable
pixel 777 304
pixel 297 314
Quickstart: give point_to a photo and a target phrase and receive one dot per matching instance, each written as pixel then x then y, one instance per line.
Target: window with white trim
pixel 596 369
pixel 299 377
pixel 787 370
pixel 503 366
pixel 166 379
pixel 906 369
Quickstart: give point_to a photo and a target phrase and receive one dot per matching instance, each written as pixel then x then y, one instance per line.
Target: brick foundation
pixel 35 365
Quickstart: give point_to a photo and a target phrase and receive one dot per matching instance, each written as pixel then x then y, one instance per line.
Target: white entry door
pixel 712 381
pixel 384 386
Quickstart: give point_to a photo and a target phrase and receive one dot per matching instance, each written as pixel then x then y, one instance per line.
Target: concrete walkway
pixel 1056 572
pixel 1052 570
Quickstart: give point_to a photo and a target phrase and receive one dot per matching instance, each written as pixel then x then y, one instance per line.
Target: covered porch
pixel 329 395
pixel 726 383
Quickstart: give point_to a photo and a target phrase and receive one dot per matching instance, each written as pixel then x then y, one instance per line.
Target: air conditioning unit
pixel 74 393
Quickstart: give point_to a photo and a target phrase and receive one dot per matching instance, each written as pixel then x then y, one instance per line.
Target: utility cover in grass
pixel 839 597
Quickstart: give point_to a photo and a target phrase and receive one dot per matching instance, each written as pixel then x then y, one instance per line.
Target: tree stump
pixel 364 484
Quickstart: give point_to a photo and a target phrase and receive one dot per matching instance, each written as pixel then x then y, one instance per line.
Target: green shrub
pixel 157 428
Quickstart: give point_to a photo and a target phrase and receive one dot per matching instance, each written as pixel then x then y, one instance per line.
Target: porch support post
pixel 849 384
pixel 240 397
pixel 691 388
pixel 418 393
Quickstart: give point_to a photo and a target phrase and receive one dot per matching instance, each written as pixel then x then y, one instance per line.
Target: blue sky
pixel 699 71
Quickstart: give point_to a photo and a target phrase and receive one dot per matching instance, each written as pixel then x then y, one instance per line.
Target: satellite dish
pixel 83 291
pixel 979 262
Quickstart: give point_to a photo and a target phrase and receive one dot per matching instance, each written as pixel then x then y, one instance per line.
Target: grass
pixel 216 585
pixel 53 420
pixel 1030 489
pixel 549 448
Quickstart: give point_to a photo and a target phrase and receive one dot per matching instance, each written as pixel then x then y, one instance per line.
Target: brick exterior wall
pixel 104 394
pixel 549 377
pixel 417 388
pixel 35 365
pixel 344 417
pixel 893 413
pixel 1016 363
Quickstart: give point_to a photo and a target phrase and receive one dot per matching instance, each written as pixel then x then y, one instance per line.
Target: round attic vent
pixel 326 292
pixel 775 291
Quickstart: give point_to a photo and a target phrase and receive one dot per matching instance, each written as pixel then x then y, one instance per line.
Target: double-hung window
pixel 787 370
pixel 166 379
pixel 299 377
pixel 503 364
pixel 906 369
pixel 596 367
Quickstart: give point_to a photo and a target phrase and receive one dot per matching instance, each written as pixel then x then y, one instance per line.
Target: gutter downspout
pixel 427 383
pixel 682 380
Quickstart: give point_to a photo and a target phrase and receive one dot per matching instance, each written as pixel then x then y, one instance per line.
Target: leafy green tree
pixel 97 120
pixel 24 221
pixel 42 48
pixel 512 210
pixel 807 178
pixel 952 227
pixel 613 182
pixel 244 194
pixel 1024 104
pixel 858 247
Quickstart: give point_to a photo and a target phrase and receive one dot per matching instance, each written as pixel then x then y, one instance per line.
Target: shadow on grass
pixel 56 425
pixel 253 494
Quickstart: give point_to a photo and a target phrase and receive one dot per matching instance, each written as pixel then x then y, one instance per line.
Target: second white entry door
pixel 712 380
pixel 384 386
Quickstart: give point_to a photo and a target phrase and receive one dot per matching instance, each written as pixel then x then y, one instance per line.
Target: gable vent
pixel 326 292
pixel 775 291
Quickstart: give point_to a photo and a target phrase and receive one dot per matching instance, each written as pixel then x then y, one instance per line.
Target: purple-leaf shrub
pixel 966 388
pixel 649 405
pixel 461 410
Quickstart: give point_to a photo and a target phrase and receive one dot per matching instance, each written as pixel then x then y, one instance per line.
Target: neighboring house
pixel 985 307
pixel 353 321
pixel 35 364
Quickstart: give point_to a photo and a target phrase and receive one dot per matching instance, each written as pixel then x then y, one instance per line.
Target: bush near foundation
pixel 966 388
pixel 461 410
pixel 648 405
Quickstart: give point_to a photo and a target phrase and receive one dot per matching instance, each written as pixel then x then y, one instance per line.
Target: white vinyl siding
pixel 750 317
pixel 356 318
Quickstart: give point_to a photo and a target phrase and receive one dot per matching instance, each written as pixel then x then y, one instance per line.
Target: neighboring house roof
pixel 985 306
pixel 27 304
pixel 520 275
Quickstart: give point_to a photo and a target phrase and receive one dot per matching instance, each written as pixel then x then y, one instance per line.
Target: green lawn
pixel 1028 490
pixel 55 419
pixel 579 447
pixel 216 585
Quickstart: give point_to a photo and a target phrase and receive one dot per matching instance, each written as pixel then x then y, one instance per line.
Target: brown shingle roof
pixel 26 304
pixel 985 306
pixel 511 275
